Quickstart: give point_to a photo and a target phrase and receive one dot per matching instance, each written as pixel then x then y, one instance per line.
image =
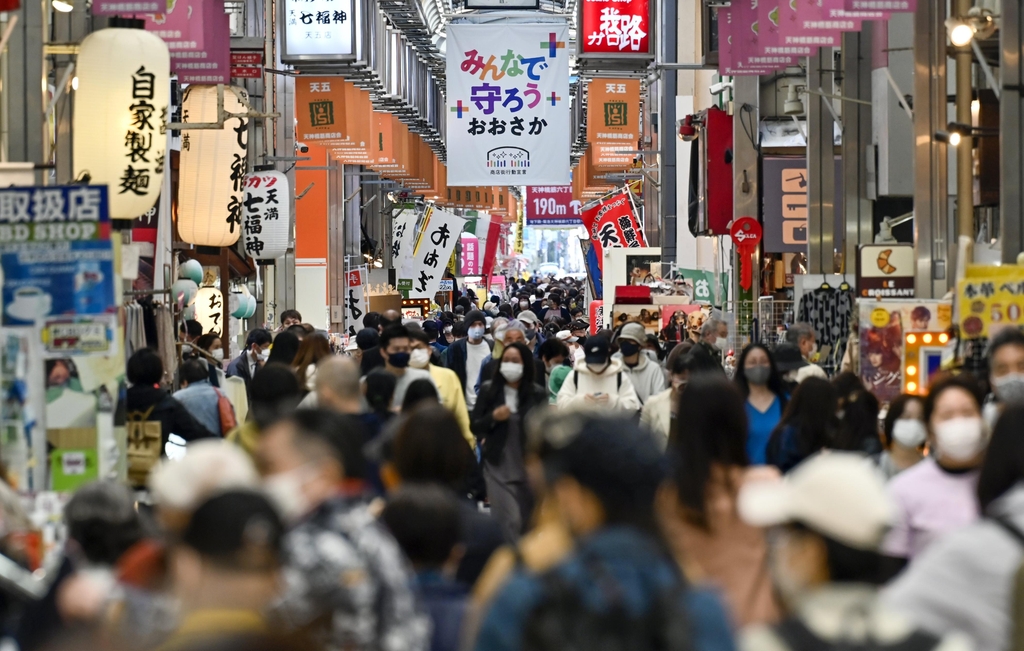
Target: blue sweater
pixel 759 430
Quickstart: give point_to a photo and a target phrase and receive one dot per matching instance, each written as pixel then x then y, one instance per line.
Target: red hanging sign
pixel 619 28
pixel 612 223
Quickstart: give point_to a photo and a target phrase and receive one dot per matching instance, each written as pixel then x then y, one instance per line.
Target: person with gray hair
pixel 801 335
pixel 714 337
pixel 337 386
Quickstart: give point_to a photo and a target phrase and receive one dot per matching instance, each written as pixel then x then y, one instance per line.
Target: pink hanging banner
pixel 746 57
pixel 470 255
pixel 836 9
pixel 801 24
pixel 880 5
pixel 770 41
pixel 198 35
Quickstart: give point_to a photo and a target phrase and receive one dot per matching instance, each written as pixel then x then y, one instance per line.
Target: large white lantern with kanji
pixel 210 309
pixel 266 215
pixel 212 172
pixel 118 135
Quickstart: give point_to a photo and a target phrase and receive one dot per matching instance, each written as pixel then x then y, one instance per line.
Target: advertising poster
pixel 508 104
pixel 674 319
pixel 79 336
pixel 649 316
pixel 988 303
pixel 75 278
pixel 881 349
pixel 613 121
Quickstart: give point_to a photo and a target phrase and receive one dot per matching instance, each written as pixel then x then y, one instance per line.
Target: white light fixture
pixel 210 309
pixel 961 34
pixel 74 83
pixel 122 92
pixel 954 138
pixel 62 6
pixel 977 24
pixel 213 166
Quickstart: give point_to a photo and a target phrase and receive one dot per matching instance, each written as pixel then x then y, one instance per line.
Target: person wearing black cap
pixel 598 382
pixel 620 588
pixel 225 572
pixel 371 356
pixel 466 356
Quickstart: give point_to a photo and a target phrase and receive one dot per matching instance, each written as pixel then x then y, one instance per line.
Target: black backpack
pixel 563 621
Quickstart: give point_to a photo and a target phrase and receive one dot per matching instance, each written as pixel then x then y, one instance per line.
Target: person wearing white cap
pixel 647 377
pixel 830 515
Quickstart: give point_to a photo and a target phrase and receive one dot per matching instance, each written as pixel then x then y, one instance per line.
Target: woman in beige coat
pixel 698 508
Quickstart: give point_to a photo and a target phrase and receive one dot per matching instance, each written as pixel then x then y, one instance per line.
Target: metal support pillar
pixel 931 196
pixel 344 198
pixel 24 88
pixel 745 193
pixel 821 167
pixel 857 149
pixel 964 153
pixel 283 101
pixel 1011 129
pixel 668 87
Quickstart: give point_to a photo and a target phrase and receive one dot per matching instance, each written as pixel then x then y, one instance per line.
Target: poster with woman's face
pixel 881 350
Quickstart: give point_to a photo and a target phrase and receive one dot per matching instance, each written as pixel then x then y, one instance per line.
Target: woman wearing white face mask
pixel 939 494
pixel 498 421
pixel 905 435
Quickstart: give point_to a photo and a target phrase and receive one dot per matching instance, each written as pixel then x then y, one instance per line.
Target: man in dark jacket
pixel 466 356
pixel 371 357
pixel 257 349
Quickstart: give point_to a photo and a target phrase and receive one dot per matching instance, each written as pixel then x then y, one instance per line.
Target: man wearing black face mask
pixel 396 349
pixel 647 377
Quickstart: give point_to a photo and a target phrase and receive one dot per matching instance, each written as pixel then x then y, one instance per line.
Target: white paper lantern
pixel 192 270
pixel 266 215
pixel 210 309
pixel 120 109
pixel 212 171
pixel 251 309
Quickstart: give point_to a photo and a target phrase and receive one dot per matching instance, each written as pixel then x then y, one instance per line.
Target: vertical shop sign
pixel 470 255
pixel 616 28
pixel 434 248
pixel 508 104
pixel 355 298
pixel 520 227
pixel 613 121
pixel 266 218
pixel 403 238
pixel 612 223
pixel 552 205
pixel 317 30
pixel 246 65
pixel 886 270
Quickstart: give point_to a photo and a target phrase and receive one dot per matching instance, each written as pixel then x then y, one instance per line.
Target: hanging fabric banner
pixel 470 255
pixel 403 236
pixel 490 247
pixel 434 247
pixel 355 298
pixel 612 223
pixel 613 122
pixel 266 219
pixel 508 104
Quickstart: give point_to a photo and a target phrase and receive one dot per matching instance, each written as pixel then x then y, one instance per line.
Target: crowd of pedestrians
pixel 498 478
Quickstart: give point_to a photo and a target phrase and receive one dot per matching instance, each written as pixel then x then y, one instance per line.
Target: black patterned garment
pixel 829 312
pixel 348 584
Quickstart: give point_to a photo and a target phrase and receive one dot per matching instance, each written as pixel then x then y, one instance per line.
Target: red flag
pixel 612 223
pixel 491 249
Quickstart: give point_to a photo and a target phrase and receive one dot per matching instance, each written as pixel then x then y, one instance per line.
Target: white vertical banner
pixel 355 298
pixel 508 104
pixel 434 247
pixel 266 217
pixel 403 237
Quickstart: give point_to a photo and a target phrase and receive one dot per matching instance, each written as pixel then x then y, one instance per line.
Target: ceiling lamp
pixel 978 23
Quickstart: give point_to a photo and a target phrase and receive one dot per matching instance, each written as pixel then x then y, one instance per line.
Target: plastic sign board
pixel 886 270
pixel 552 205
pixel 616 28
pixel 317 30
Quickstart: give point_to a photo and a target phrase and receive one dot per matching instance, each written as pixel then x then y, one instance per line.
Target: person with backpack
pixel 153 415
pixel 972 580
pixel 598 382
pixel 620 589
pixel 203 400
pixel 828 518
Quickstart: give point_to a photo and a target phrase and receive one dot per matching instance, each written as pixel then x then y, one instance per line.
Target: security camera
pixel 720 87
pixel 301 147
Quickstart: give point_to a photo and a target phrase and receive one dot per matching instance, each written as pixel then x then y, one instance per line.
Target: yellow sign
pixel 988 304
pixel 520 225
pixel 879 317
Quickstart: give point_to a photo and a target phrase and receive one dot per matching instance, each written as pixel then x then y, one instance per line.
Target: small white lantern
pixel 210 309
pixel 212 173
pixel 266 215
pixel 119 138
